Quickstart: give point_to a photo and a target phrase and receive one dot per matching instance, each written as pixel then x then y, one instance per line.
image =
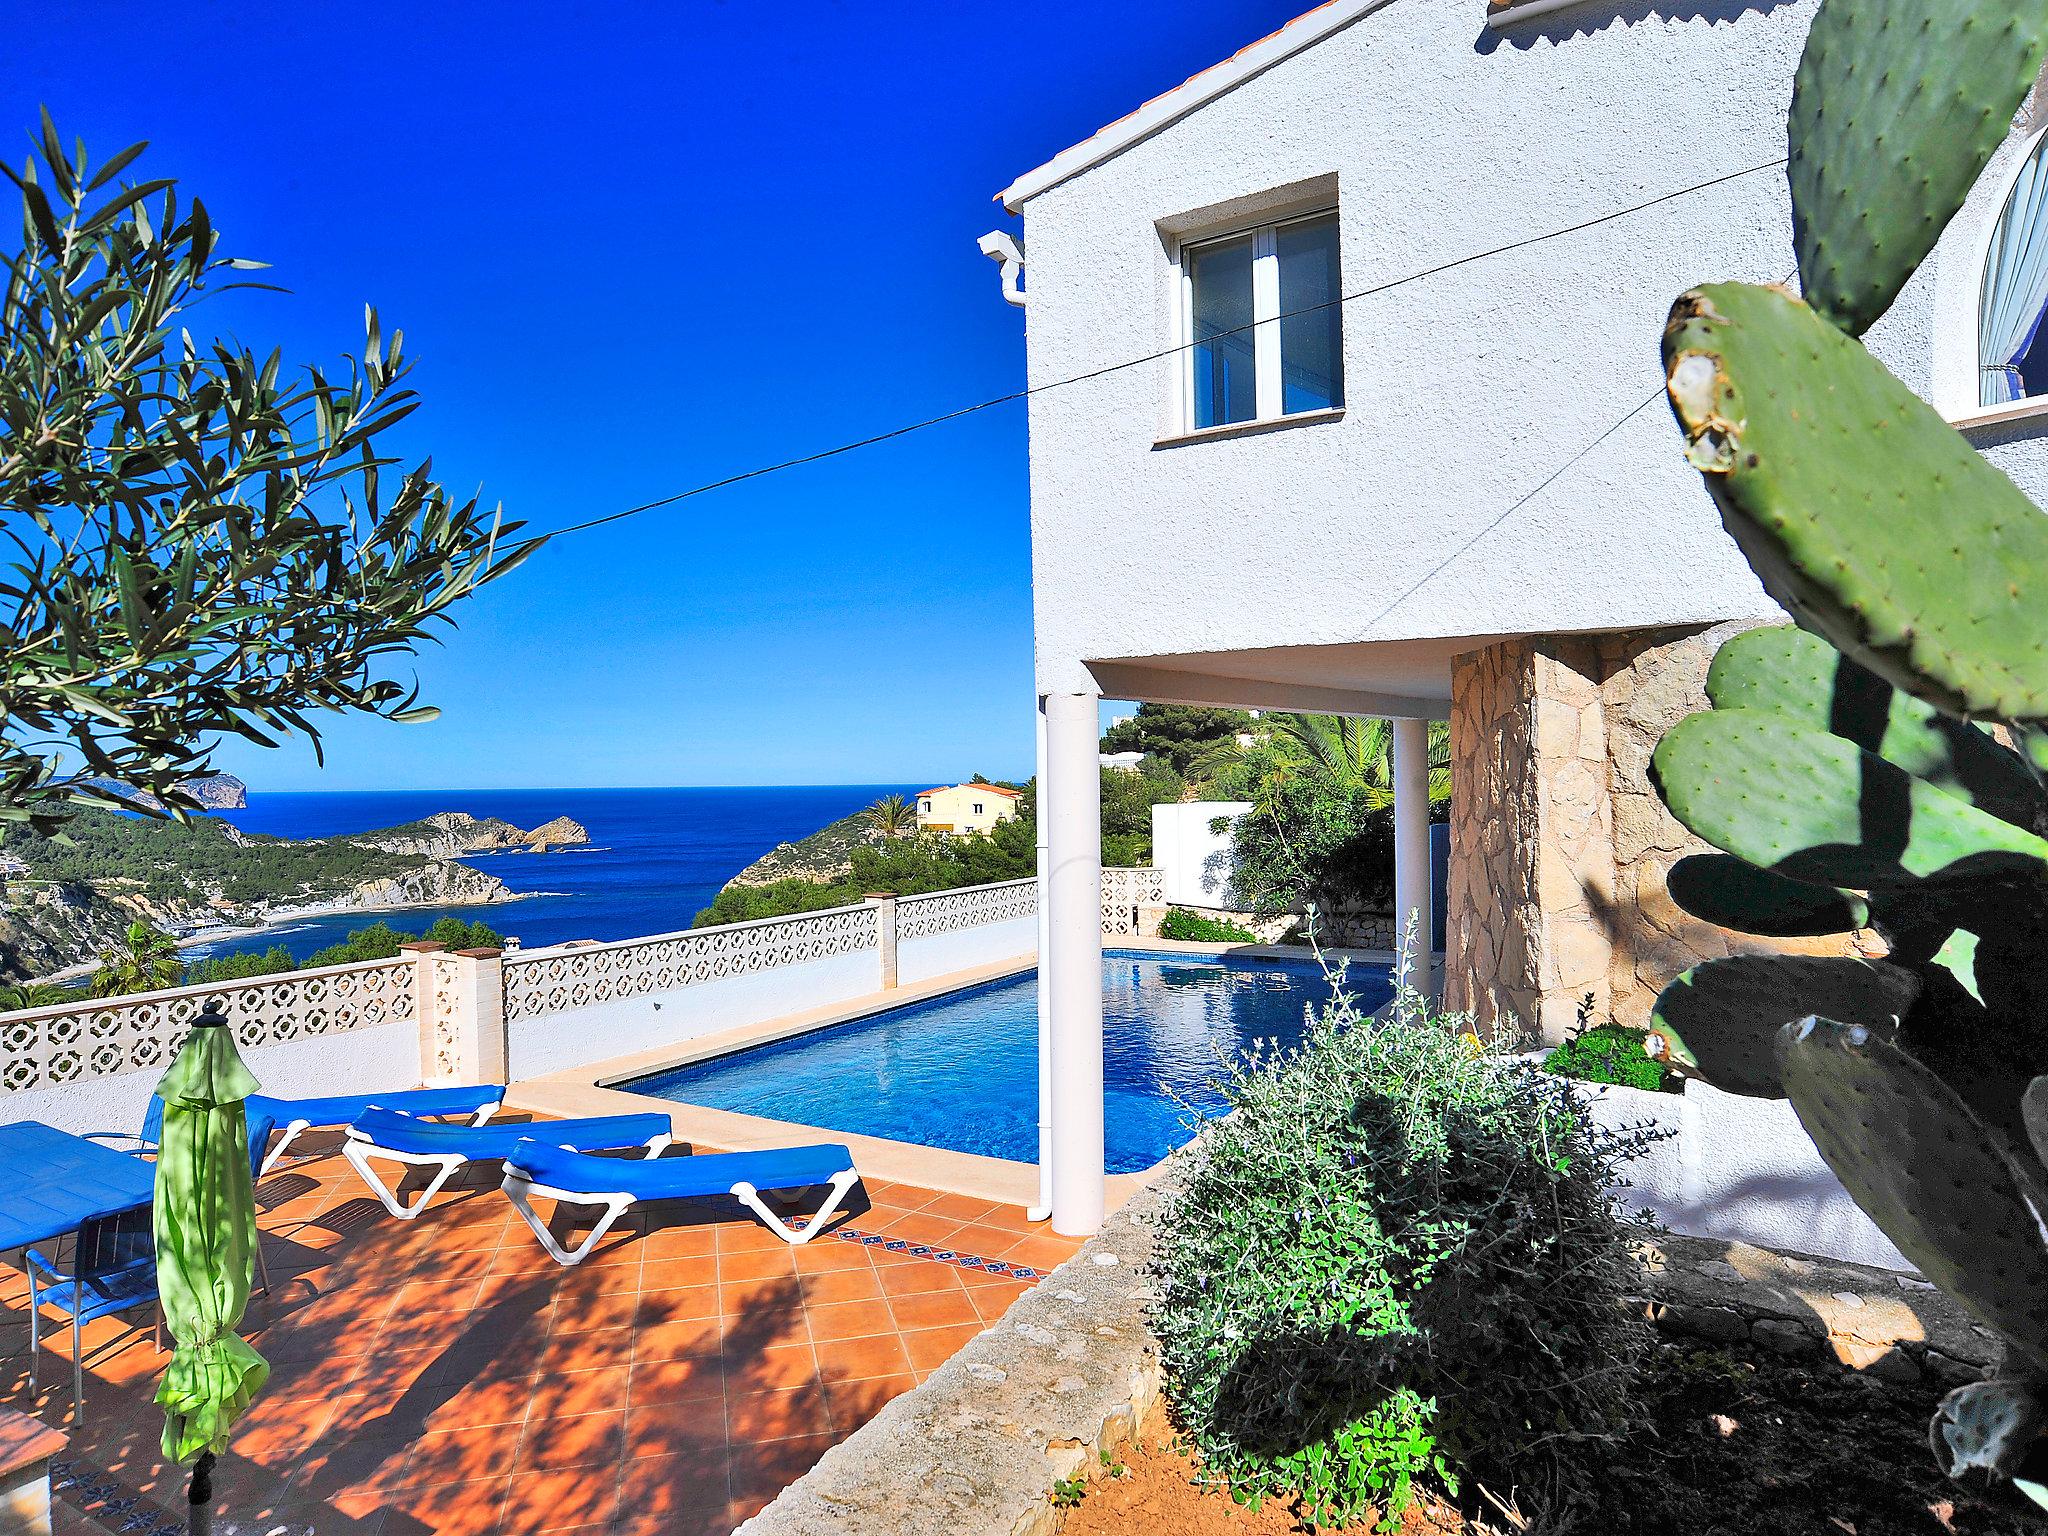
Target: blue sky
pixel 635 247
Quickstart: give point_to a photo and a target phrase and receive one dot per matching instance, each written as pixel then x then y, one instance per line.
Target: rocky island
pixel 66 900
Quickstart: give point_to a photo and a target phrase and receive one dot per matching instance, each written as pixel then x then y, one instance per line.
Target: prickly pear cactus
pixel 1860 772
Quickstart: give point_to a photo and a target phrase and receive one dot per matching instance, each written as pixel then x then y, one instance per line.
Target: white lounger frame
pixel 360 1150
pixel 289 1132
pixel 520 1190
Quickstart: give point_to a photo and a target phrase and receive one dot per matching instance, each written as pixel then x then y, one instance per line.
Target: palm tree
pixel 893 816
pixel 147 961
pixel 32 994
pixel 1349 753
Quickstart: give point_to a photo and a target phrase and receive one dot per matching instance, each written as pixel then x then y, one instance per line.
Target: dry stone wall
pixel 1560 846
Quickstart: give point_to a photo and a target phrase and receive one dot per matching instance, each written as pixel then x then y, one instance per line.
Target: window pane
pixel 1221 275
pixel 1311 337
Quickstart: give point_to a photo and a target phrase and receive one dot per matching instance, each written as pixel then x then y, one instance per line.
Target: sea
pixel 656 856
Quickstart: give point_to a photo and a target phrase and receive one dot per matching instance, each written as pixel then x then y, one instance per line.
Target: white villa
pixel 1367 418
pixel 966 807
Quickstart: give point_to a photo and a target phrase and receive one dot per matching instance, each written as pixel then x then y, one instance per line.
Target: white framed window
pixel 977 807
pixel 925 806
pixel 2012 352
pixel 1262 315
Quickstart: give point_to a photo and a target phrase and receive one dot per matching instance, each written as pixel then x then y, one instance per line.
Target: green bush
pixel 1180 923
pixel 379 941
pixel 1396 1266
pixel 1611 1053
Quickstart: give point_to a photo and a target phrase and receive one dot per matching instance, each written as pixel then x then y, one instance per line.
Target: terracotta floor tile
pixel 1043 1253
pixel 849 1319
pixel 764 1470
pixel 755 1416
pixel 453 1509
pixel 587 1314
pixel 558 1500
pixel 595 1350
pixel 586 1440
pixel 992 1301
pixel 672 1429
pixel 667 1383
pixel 930 1348
pixel 745 1236
pixel 853 1403
pixel 677 1490
pixel 680 1242
pixel 757 1263
pixel 571 1393
pixel 676 1305
pixel 921 1227
pixel 859 1359
pixel 983 1241
pixel 840 1285
pixel 486 1402
pixel 688 1271
pixel 960 1207
pixel 827 1253
pixel 458 1455
pixel 933 1309
pixel 924 1275
pixel 341 1462
pixel 781 1293
pixel 678 1341
pixel 776 1366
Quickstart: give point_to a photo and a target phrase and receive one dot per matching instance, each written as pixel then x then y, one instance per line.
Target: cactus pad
pixel 1989 1426
pixel 1830 473
pixel 1720 889
pixel 1721 1019
pixel 1816 807
pixel 1789 672
pixel 1936 1181
pixel 1895 111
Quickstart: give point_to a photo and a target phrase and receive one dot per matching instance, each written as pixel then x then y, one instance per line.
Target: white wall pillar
pixel 1411 844
pixel 1043 1208
pixel 1070 987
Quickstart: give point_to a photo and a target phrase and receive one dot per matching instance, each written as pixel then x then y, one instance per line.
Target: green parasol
pixel 205 1219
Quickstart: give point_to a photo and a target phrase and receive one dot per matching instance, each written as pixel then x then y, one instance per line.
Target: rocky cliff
pixel 213 792
pixel 451 834
pixel 825 856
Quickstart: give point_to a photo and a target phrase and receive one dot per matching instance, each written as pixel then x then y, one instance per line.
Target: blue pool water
pixel 961 1071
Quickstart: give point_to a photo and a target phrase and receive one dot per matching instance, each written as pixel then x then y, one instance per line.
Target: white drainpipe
pixel 998 245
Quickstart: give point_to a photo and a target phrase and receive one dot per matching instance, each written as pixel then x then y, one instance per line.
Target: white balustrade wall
pixel 92 1065
pixel 566 1007
pixel 956 930
pixel 474 1015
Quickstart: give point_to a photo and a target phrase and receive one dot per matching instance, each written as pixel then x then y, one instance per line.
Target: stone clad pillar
pixel 1070 805
pixel 1412 909
pixel 459 998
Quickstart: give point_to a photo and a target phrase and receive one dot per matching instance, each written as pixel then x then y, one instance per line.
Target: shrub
pixel 1610 1053
pixel 1396 1266
pixel 1180 923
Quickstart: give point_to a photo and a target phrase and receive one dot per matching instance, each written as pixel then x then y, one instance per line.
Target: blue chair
pixel 108 1266
pixel 389 1136
pixel 480 1101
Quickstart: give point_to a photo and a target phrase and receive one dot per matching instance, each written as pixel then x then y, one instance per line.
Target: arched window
pixel 2012 352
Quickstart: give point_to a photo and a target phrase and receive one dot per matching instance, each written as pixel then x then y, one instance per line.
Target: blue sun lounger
pixel 387 1135
pixel 574 1178
pixel 296 1115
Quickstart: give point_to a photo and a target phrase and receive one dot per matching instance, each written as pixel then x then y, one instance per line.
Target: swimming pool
pixel 961 1071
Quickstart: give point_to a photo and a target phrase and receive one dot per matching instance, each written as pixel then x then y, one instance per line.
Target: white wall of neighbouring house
pixel 1195 858
pixel 1464 390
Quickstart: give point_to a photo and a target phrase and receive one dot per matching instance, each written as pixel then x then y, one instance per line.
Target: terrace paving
pixel 446 1376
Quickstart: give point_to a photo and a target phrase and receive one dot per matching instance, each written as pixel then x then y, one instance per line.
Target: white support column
pixel 1070 809
pixel 1411 845
pixel 1043 1209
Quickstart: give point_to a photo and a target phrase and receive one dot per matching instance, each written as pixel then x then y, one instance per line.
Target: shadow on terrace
pixel 446 1376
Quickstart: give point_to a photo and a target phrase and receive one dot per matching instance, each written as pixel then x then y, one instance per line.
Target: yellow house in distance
pixel 965 807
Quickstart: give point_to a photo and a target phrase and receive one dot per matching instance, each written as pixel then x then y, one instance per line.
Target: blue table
pixel 52 1182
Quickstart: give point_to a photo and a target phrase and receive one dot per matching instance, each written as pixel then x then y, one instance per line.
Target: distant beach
pixel 656 856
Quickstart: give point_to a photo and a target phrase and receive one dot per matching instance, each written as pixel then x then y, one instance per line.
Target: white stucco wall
pixel 1195 860
pixel 988 944
pixel 382 1056
pixel 574 1037
pixel 1741 1170
pixel 1464 390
